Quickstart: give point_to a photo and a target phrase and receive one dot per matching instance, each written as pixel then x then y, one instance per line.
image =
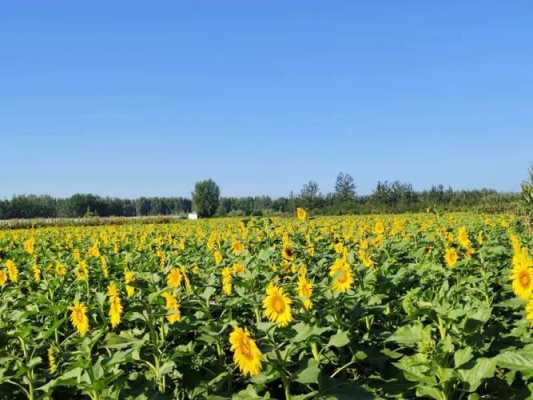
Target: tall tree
pixel 206 198
pixel 310 190
pixel 344 187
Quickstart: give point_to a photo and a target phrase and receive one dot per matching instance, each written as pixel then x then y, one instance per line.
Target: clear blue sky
pixel 126 98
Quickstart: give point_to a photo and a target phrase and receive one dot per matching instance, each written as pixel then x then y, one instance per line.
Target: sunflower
pixel 379 228
pixel 227 281
pixel 523 281
pixel 277 305
pixel 305 291
pixel 104 267
pixel 78 317
pixel 339 247
pixel 463 239
pixel 237 247
pixel 94 250
pixel 82 272
pixel 115 310
pixel 287 252
pixel 218 257
pixel 450 256
pixel 173 308
pixel 3 277
pixel 515 244
pixel 301 214
pixel 174 278
pixel 246 354
pixel 115 305
pixel 29 245
pixel 365 258
pixel 36 273
pixel 112 290
pixel 341 273
pixel 129 277
pixel 52 362
pixel 12 271
pixel 238 268
pixel 60 269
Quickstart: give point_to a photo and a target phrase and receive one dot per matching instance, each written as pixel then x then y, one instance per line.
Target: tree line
pixel 393 197
pixel 85 205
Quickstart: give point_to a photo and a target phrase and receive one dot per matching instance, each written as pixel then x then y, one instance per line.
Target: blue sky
pixel 130 98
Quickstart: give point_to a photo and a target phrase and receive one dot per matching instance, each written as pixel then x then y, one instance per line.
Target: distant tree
pixel 79 205
pixel 344 187
pixel 310 196
pixel 206 198
pixel 310 190
pixel 395 196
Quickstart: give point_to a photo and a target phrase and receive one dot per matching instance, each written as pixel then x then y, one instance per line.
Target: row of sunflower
pixel 329 307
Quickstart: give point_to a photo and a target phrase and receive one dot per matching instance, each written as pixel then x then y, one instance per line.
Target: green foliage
pixel 408 327
pixel 206 198
pixel 344 187
pixel 527 195
pixel 393 197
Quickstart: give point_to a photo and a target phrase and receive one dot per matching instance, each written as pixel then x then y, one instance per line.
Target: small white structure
pixel 192 215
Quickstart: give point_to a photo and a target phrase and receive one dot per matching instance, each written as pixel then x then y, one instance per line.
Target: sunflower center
pixel 525 279
pixel 343 276
pixel 278 304
pixel 245 348
pixel 77 315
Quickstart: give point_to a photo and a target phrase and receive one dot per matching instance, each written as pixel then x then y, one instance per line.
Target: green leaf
pixel 340 389
pixel 310 373
pixel 429 391
pixel 34 362
pixel 208 292
pixel 340 339
pixel 410 335
pixel 462 356
pixel 305 331
pixel 516 360
pixel 483 369
pixel 248 394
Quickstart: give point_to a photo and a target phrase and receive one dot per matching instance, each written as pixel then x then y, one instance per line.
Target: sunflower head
pixel 523 281
pixel 451 257
pixel 277 305
pixel 301 214
pixel 379 228
pixel 218 257
pixel 3 277
pixel 115 310
pixel 237 247
pixel 287 253
pixel 305 291
pixel 341 273
pixel 246 354
pixel 78 317
pixel 174 278
pixel 227 280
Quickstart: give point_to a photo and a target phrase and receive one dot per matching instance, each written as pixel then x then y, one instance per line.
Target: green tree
pixel 344 187
pixel 310 190
pixel 206 198
pixel 310 196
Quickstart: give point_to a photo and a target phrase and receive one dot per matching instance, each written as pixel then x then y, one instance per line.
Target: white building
pixel 192 215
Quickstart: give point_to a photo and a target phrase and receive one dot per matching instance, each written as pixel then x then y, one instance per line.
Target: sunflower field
pixel 361 307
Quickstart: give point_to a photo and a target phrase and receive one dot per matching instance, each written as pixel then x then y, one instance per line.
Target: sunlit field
pixel 423 305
